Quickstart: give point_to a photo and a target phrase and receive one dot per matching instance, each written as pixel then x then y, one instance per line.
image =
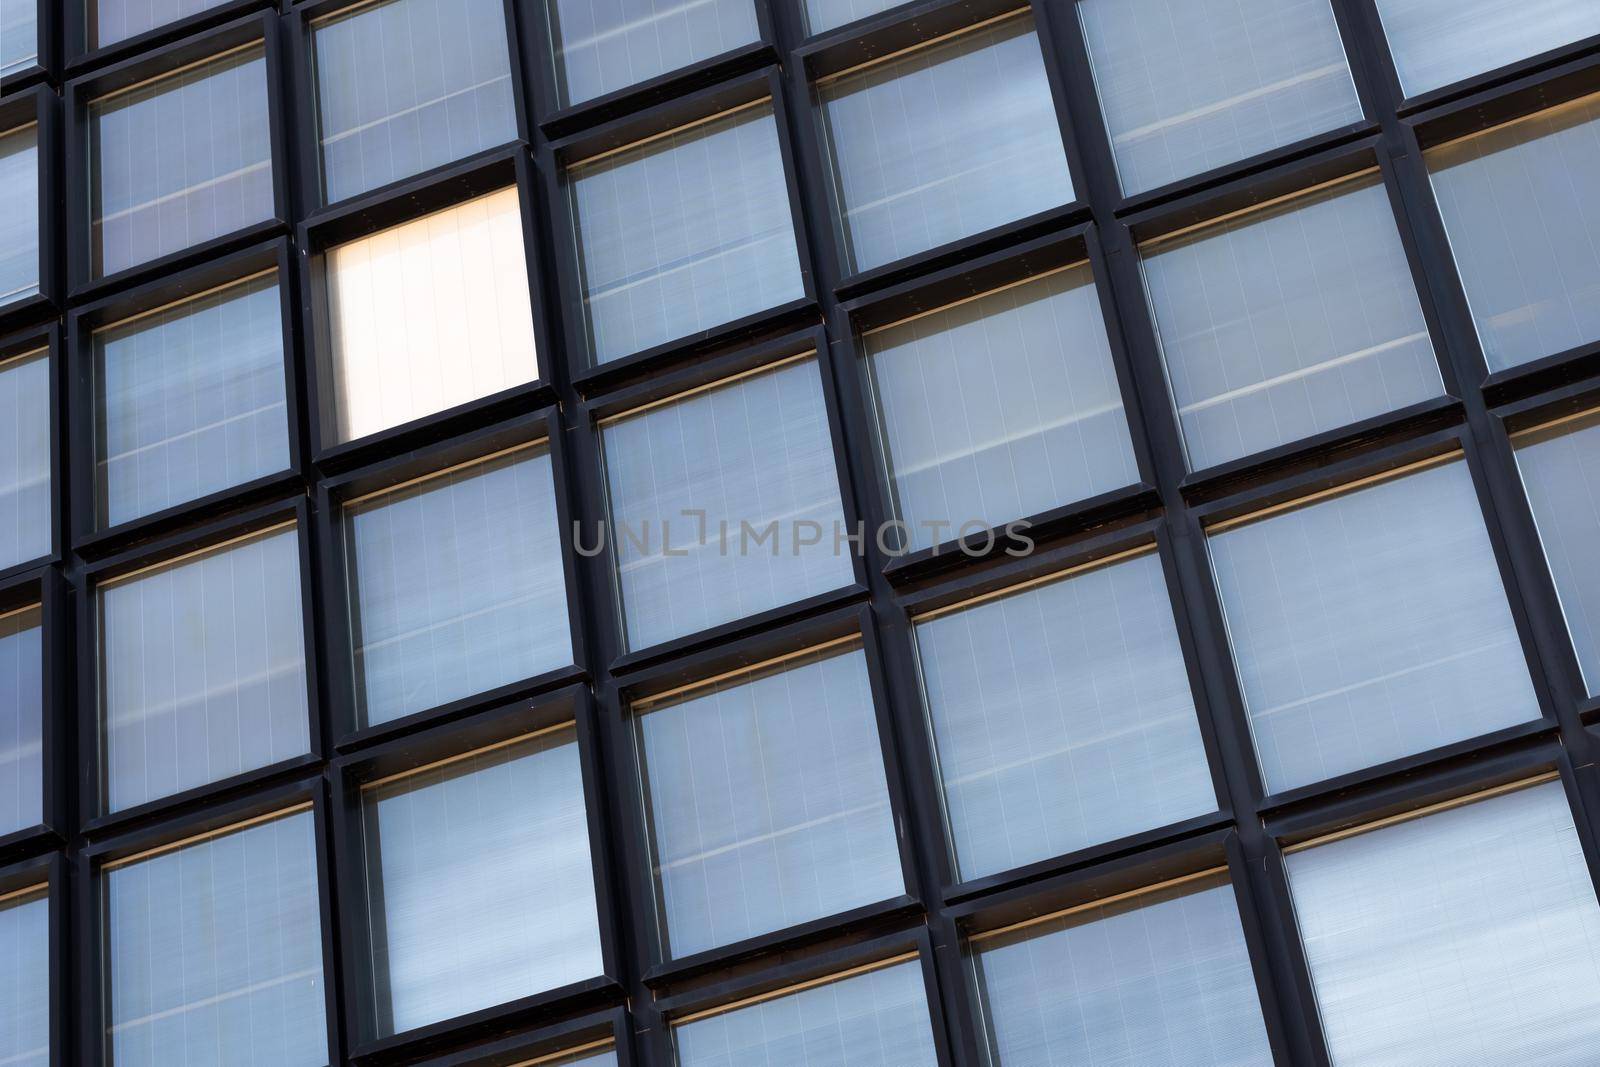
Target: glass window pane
pixel 1000 407
pixel 602 47
pixel 21 723
pixel 605 1058
pixel 429 315
pixel 409 85
pixel 19 214
pixel 944 142
pixel 25 979
pixel 117 20
pixel 1284 323
pixel 180 161
pixel 1465 936
pixel 1190 85
pixel 215 952
pixel 457 585
pixel 1369 626
pixel 1521 205
pixel 1062 717
pixel 19 43
pixel 753 458
pixel 822 15
pixel 191 400
pixel 1437 42
pixel 203 669
pixel 684 233
pixel 25 484
pixel 1561 473
pixel 876 1019
pixel 767 802
pixel 480 881
pixel 1161 978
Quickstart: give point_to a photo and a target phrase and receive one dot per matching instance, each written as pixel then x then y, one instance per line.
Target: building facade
pixel 799 532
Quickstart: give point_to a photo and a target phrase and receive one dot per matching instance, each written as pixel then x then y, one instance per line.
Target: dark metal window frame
pixel 1169 508
pixel 93 539
pixel 81 92
pixel 407 752
pixel 38 105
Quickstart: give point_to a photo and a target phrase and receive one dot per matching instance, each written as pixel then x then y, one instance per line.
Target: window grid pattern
pixel 913 1009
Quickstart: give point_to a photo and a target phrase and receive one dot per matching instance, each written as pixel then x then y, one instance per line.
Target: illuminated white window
pixel 429 315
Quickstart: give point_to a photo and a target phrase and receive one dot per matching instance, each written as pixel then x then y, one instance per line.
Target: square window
pixel 456 584
pixel 1370 625
pixel 19 213
pixel 202 668
pixel 405 86
pixel 214 950
pixel 25 979
pixel 824 15
pixel 428 315
pixel 944 142
pixel 1521 207
pixel 603 47
pixel 1162 977
pixel 684 233
pixel 190 399
pixel 1187 86
pixel 1560 467
pixel 19 42
pixel 873 1017
pixel 479 880
pixel 180 160
pixel 725 503
pixel 1465 935
pixel 601 1058
pixel 999 407
pixel 1061 717
pixel 1286 322
pixel 26 490
pixel 1437 42
pixel 112 21
pixel 21 723
pixel 766 801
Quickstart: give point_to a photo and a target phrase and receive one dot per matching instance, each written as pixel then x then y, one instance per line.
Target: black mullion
pixel 1156 422
pixel 842 362
pixel 599 642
